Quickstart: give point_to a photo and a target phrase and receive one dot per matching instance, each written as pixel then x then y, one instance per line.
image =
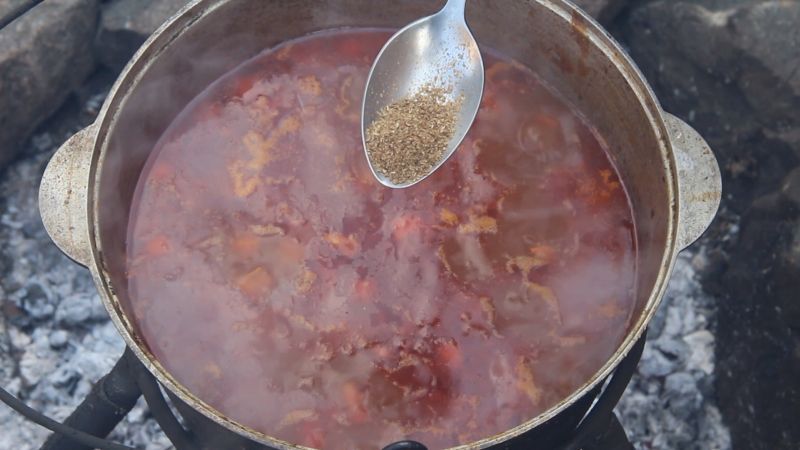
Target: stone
pixel 737 89
pixel 675 350
pixel 79 308
pixel 791 187
pixel 38 360
pixel 680 390
pixel 9 7
pixel 64 376
pixel 769 34
pixel 603 10
pixel 701 344
pixel 44 55
pixel 58 339
pixel 673 325
pixel 18 339
pixel 656 364
pixel 126 24
pixel 37 301
pixel 758 337
pixel 709 428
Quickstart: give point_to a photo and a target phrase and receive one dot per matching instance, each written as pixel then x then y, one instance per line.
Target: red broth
pixel 279 282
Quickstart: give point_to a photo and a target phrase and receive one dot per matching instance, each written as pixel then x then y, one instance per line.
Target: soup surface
pixel 279 282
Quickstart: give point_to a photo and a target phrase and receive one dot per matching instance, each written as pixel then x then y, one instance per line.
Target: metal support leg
pixel 110 400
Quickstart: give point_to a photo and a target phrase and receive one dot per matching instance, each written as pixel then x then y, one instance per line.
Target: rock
pixel 44 55
pixel 758 338
pixel 701 344
pixel 656 364
pixel 675 350
pixel 79 308
pixel 791 187
pixel 58 339
pixel 126 24
pixel 38 360
pixel 602 10
pixel 18 339
pixel 9 7
pixel 709 427
pixel 768 33
pixel 37 301
pixel 673 325
pixel 680 390
pixel 97 352
pixel 737 88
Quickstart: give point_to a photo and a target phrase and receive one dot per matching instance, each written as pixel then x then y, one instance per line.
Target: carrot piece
pixel 255 283
pixel 448 217
pixel 526 383
pixel 610 184
pixel 243 186
pixel 382 351
pixel 245 244
pixel 305 281
pixel 297 416
pixel 284 53
pixel 365 289
pixel 449 354
pixel 345 244
pixel 405 225
pixel 543 253
pixel 354 399
pixel 310 85
pixel 313 436
pixel 158 246
pixel 243 84
pixel 549 297
pixel 213 370
pixel 479 224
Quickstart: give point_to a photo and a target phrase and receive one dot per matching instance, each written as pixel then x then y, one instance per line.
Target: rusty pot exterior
pixel 671 174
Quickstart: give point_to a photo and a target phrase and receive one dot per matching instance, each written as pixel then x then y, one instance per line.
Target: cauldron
pixel 672 176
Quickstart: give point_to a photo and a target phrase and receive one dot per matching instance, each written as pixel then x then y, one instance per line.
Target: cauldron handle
pixel 699 180
pixel 63 195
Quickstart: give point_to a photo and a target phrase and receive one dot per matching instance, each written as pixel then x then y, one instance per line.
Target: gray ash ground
pixel 56 339
pixel 671 403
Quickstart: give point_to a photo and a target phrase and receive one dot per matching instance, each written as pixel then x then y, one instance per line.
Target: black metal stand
pixel 110 400
pixel 614 438
pixel 116 393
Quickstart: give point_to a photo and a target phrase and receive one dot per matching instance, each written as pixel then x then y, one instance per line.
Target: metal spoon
pixel 439 51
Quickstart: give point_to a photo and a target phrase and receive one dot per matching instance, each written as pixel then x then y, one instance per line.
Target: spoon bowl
pixel 437 51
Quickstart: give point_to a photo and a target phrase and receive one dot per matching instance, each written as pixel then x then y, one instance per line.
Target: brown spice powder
pixel 409 137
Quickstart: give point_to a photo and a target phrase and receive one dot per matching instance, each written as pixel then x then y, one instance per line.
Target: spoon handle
pixel 455 8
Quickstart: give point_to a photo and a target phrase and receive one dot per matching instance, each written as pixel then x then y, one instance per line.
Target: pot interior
pixel 213 37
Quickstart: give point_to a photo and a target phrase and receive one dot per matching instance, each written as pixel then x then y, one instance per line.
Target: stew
pixel 278 281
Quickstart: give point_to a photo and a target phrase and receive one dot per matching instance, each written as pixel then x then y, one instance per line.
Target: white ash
pixel 670 403
pixel 55 337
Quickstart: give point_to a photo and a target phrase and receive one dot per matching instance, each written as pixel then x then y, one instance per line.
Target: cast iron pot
pixel 672 176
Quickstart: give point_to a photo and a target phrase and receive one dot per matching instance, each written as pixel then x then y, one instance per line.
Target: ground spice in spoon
pixel 409 137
